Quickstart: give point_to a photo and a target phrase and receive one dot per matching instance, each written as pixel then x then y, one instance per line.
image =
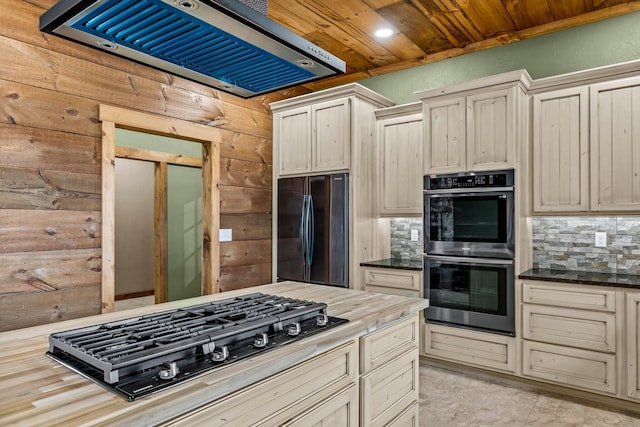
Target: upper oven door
pixel 476 223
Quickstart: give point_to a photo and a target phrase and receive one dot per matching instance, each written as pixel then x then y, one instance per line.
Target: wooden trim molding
pixel 108 215
pixel 157 156
pixel 115 117
pixel 160 244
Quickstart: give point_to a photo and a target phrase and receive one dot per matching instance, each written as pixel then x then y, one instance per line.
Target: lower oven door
pixel 471 292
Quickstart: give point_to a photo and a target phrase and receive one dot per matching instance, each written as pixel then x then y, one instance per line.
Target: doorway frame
pixel 210 138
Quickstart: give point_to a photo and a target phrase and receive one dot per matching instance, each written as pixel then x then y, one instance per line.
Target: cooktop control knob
pixel 322 319
pixel 169 370
pixel 260 340
pixel 220 355
pixel 293 329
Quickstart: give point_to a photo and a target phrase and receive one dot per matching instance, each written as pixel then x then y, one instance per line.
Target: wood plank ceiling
pixel 428 30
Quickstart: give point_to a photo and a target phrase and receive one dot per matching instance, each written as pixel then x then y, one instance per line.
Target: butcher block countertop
pixel 37 391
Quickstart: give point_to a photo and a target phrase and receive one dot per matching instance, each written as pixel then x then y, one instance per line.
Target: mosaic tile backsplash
pixel 401 244
pixel 567 243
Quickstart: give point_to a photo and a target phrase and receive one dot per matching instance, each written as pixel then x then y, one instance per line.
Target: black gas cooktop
pixel 141 355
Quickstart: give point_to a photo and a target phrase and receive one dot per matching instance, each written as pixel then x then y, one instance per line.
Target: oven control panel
pixel 469 180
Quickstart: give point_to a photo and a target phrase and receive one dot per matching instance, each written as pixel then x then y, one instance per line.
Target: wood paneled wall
pixel 50 144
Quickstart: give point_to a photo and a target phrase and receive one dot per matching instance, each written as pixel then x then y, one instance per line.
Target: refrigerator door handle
pixel 310 231
pixel 303 228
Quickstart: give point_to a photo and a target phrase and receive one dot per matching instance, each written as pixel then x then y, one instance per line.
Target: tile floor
pixel 451 399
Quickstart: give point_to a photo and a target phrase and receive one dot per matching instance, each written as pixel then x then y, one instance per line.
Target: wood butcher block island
pixel 364 372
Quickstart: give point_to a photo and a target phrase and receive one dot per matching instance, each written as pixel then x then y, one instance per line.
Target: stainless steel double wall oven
pixel 469 246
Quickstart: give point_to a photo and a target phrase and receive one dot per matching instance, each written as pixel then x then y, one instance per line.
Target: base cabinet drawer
pixel 409 418
pixel 591 330
pixel 572 367
pixel 392 278
pixel 386 344
pixel 569 296
pixel 341 410
pixel 480 349
pixel 389 390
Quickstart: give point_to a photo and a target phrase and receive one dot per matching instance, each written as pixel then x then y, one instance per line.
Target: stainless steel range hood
pixel 221 43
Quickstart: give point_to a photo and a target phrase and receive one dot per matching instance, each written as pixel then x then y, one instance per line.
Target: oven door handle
pixel 469 260
pixel 467 191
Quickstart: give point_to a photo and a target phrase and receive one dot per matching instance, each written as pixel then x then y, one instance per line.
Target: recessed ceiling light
pixel 383 32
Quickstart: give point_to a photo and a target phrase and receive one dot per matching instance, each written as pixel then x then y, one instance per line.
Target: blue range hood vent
pixel 223 44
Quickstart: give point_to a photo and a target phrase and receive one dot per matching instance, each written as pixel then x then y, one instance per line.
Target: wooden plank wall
pixel 50 144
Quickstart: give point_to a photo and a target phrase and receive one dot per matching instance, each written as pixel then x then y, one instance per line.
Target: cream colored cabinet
pixel 332 131
pixel 632 324
pixel 340 410
pixel 409 418
pixel 569 366
pixel 445 137
pixel 393 281
pixel 561 151
pixel 331 136
pixel 570 335
pixel 399 149
pixel 480 349
pixel 491 129
pixel 586 147
pixel 615 144
pixel 293 130
pixel 314 138
pixel 474 126
pixel 285 396
pixel 389 370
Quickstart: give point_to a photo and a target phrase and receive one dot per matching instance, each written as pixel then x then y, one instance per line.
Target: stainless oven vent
pixel 224 44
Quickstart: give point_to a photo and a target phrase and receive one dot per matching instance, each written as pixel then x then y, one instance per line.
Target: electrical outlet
pixel 414 235
pixel 225 234
pixel 601 240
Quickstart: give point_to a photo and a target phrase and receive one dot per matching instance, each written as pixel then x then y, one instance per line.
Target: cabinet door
pixel 293 138
pixel 633 345
pixel 491 129
pixel 444 136
pixel 615 145
pixel 331 136
pixel 561 151
pixel 400 145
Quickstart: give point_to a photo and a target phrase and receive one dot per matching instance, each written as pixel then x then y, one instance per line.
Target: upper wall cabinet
pixel 586 141
pixel 293 130
pixel 399 152
pixel 475 125
pixel 615 145
pixel 561 151
pixel 330 135
pixel 445 137
pixel 314 138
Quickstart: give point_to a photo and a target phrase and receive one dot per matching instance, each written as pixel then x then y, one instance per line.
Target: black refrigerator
pixel 313 229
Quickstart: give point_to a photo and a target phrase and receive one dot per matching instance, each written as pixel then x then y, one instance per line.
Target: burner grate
pixel 141 355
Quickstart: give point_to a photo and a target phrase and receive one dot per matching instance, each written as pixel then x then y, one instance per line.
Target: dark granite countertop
pixel 400 263
pixel 582 277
